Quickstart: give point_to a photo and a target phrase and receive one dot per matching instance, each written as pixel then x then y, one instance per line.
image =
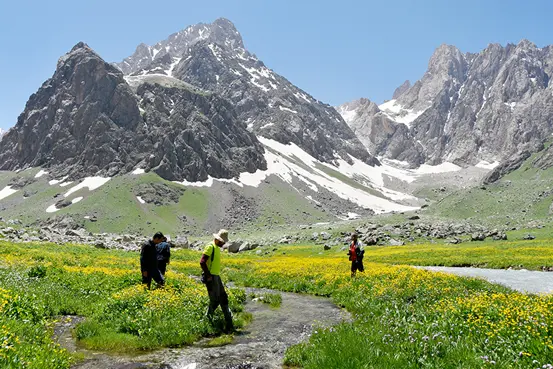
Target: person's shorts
pixel 357 265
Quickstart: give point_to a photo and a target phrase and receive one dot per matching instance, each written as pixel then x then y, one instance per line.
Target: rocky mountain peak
pixel 87 120
pixel 401 89
pixel 526 44
pixel 221 32
pixel 468 108
pixel 80 50
pixel 448 61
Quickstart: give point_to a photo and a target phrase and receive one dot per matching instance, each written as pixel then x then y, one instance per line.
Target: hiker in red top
pixel 356 254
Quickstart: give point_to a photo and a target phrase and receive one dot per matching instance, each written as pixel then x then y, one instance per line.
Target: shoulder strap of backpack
pixel 213 253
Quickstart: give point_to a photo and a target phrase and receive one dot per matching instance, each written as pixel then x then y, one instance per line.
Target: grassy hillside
pixel 115 207
pixel 516 199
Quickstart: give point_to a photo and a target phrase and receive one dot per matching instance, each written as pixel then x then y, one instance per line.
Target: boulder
pixel 128 238
pixel 82 233
pixel 370 240
pixel 500 236
pixel 245 246
pixel 285 240
pixel 327 247
pixel 393 242
pixel 100 245
pixel 234 246
pixel 326 236
pixel 181 242
pixel 529 237
pixel 477 237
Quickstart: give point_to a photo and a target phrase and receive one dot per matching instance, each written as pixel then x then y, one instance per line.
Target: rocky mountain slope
pixel 213 58
pixel 87 120
pixel 466 108
pixel 245 146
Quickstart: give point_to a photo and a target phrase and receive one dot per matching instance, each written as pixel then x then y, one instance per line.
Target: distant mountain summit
pixel 212 57
pixel 466 108
pixel 189 108
pixel 87 120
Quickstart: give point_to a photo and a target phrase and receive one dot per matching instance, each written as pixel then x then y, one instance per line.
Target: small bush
pixel 38 271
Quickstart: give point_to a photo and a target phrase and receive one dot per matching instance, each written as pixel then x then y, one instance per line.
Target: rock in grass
pixel 234 246
pixel 529 237
pixel 500 237
pixel 326 236
pixel 327 247
pixel 477 237
pixel 181 242
pixel 245 246
pixel 393 242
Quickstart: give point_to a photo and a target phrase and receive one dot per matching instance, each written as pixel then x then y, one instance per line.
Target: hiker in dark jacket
pixel 163 255
pixel 148 261
pixel 356 254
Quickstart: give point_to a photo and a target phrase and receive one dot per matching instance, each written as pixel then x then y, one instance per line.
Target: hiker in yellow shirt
pixel 211 267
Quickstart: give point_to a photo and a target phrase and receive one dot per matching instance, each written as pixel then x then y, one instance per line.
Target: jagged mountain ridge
pixel 215 116
pixel 213 58
pixel 87 120
pixel 468 107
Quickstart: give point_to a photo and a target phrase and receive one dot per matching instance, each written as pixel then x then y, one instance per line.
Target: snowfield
pixel 6 191
pixel 91 183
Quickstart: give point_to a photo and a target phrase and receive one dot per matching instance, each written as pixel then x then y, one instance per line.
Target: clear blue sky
pixel 335 50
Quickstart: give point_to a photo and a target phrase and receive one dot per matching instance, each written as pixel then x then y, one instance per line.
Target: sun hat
pixel 222 235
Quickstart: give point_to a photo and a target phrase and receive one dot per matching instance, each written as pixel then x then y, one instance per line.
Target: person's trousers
pixel 218 296
pixel 155 275
pixel 162 266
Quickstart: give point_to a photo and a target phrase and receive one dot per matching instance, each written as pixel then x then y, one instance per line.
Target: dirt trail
pixel 262 344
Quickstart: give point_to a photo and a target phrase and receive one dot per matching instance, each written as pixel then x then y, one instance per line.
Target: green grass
pixel 535 255
pixel 516 199
pixel 274 300
pixel 405 317
pixel 40 282
pixel 402 317
pixel 515 253
pixel 223 340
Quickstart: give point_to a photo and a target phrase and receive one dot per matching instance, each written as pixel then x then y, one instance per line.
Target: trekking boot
pixel 229 326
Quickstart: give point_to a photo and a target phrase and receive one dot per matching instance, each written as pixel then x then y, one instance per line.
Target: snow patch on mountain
pixel 289 163
pixel 7 191
pixel 41 173
pixel 287 109
pixel 348 114
pixel 398 113
pixel 91 183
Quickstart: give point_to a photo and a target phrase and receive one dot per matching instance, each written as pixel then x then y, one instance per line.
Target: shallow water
pixel 261 344
pixel 520 280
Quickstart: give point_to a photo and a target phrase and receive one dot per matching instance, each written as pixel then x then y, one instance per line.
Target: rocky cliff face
pixel 401 89
pixel 87 120
pixel 472 107
pixel 213 58
pixel 379 133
